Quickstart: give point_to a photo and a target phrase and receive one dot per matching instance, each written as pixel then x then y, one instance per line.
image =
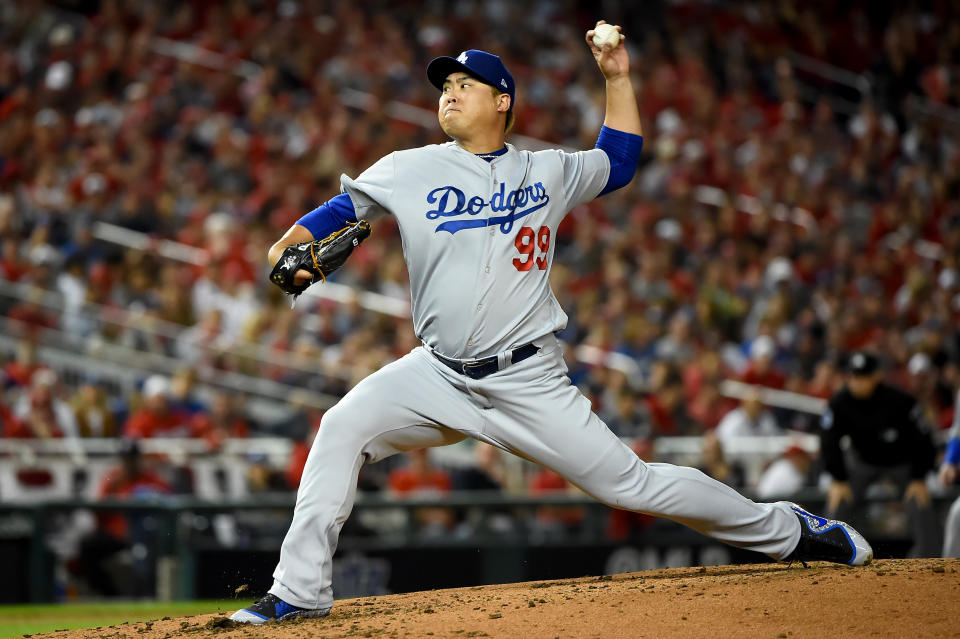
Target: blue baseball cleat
pixel 273 608
pixel 824 539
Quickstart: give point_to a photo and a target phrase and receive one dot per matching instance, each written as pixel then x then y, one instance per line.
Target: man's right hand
pixel 948 474
pixel 838 493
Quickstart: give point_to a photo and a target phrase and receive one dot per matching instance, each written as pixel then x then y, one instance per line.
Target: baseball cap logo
pixel 462 58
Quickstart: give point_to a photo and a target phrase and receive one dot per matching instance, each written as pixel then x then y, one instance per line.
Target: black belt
pixel 478 368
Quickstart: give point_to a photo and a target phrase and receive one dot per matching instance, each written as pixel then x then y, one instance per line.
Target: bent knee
pixel 357 416
pixel 340 427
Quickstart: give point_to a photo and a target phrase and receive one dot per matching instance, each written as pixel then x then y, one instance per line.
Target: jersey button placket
pixel 489 245
pixel 496 182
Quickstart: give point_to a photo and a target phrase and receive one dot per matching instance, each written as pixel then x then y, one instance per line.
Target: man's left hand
pixel 917 492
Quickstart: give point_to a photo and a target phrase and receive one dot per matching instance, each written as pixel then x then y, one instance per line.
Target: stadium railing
pixel 62 458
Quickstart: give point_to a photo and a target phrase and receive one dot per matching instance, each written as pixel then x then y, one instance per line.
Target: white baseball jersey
pixel 478 238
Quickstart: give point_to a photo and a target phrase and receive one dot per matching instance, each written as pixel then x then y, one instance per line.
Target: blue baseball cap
pixel 486 67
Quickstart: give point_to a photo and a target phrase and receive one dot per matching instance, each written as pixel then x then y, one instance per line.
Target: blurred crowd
pixel 778 221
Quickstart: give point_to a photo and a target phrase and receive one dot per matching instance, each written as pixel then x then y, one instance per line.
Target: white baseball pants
pixel 529 409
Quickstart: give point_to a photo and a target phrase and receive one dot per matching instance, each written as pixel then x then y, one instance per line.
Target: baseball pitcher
pixel 478 219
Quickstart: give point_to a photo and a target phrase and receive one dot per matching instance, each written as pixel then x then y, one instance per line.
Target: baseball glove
pixel 320 257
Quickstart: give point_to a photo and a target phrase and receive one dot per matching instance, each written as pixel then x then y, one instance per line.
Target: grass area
pixel 18 620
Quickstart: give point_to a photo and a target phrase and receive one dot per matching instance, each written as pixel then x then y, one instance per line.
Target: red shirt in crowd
pixel 217 431
pixel 547 481
pixel 20 373
pixel 298 459
pixel 145 423
pixel 661 417
pixel 409 480
pixel 771 377
pixel 10 426
pixel 119 483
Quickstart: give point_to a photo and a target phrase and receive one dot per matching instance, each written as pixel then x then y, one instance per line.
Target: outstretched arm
pixel 622 112
pixel 621 135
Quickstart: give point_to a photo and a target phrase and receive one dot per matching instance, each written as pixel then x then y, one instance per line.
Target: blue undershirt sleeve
pixel 329 217
pixel 623 149
pixel 953 451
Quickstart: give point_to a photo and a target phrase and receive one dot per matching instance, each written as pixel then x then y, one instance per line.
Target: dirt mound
pixel 889 598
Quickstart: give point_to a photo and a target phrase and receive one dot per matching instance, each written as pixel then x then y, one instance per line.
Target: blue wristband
pixel 623 149
pixel 329 217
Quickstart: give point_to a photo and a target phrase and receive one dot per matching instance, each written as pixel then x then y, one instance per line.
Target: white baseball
pixel 606 34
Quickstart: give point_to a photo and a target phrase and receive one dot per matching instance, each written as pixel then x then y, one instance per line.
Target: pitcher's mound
pixel 889 598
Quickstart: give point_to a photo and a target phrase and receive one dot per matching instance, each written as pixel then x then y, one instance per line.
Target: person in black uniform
pixel 889 440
